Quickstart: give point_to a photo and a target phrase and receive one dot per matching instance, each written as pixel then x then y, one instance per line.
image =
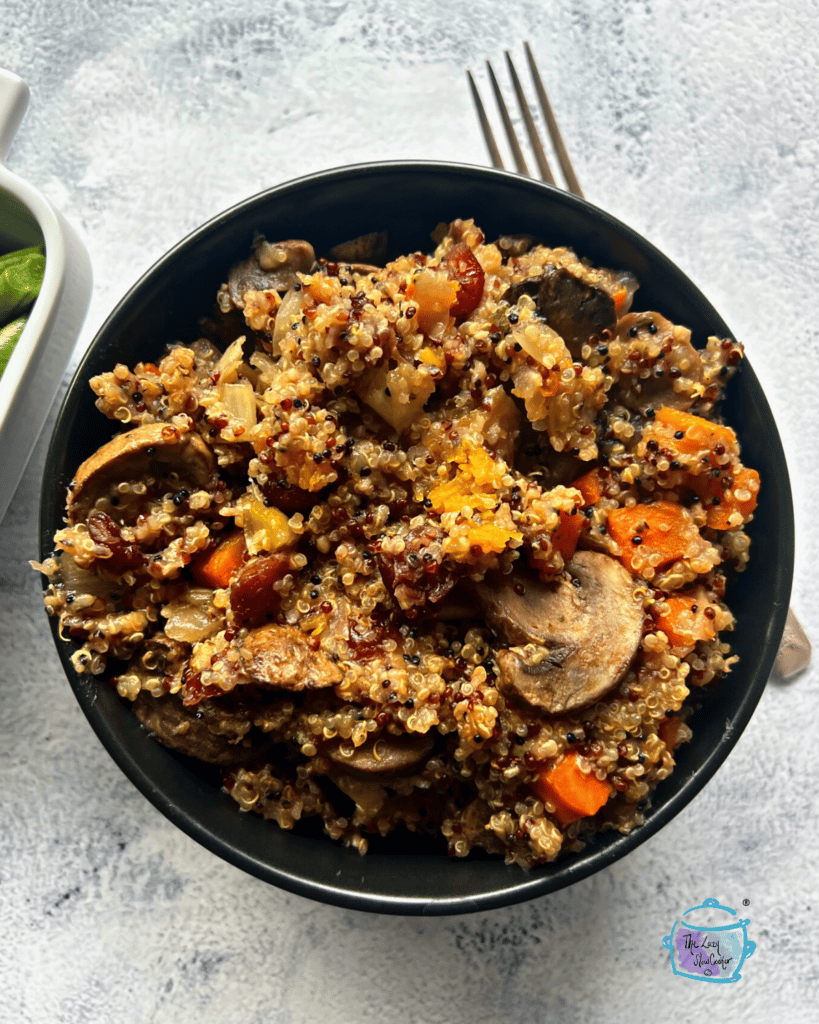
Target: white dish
pixel 32 377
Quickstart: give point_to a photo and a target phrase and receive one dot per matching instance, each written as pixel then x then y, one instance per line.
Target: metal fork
pixel 795 650
pixel 571 182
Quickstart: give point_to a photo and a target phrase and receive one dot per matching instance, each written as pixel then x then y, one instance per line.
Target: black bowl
pixel 408 200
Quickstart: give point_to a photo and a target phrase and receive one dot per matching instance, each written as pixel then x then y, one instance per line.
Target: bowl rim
pixel 525 885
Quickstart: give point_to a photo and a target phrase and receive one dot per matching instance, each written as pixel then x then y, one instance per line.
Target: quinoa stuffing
pixel 439 544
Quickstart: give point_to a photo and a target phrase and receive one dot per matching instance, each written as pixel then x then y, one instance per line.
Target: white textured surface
pixel 694 122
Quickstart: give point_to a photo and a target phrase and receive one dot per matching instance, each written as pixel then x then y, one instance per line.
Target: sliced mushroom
pixel 274 266
pixel 210 731
pixel 577 309
pixel 384 755
pixel 152 450
pixel 515 245
pixel 281 657
pixel 660 365
pixel 571 641
pixel 368 251
pixel 159 657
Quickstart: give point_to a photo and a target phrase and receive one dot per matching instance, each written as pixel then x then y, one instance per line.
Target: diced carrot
pixel 720 502
pixel 687 435
pixel 686 618
pixel 619 298
pixel 662 528
pixel 576 794
pixel 567 534
pixel 214 568
pixel 590 486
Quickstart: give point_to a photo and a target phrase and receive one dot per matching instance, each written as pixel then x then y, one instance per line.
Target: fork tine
pixel 486 128
pixel 534 138
pixel 517 153
pixel 554 132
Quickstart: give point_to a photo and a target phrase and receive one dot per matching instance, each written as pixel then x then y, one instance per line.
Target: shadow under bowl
pixel 402 875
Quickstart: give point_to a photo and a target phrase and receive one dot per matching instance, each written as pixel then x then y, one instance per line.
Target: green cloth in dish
pixel 21 275
pixel 9 336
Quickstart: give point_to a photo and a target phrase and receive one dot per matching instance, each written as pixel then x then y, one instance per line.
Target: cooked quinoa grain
pixel 441 544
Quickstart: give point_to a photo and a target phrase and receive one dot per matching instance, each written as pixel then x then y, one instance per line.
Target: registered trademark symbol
pixel 746 903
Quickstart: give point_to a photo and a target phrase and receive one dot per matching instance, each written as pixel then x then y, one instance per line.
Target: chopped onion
pixel 189 617
pixel 289 312
pixel 240 402
pixel 80 581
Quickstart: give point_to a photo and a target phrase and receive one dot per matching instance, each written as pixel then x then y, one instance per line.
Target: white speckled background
pixel 695 122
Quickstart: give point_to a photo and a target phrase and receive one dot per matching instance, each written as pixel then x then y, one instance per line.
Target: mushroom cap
pixel 274 266
pixel 209 732
pixel 152 449
pixel 281 657
pixel 365 251
pixel 673 342
pixel 577 309
pixel 385 755
pixel 571 641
